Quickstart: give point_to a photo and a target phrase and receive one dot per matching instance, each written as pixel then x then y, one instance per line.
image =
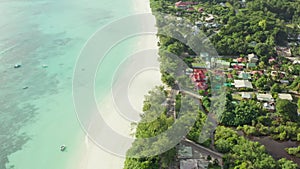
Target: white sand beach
pixel 93 157
pixel 141 6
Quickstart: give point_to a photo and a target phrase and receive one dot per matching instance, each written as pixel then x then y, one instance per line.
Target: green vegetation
pixel 294 151
pixel 239 29
pixel 151 134
pixel 296 85
pixel 243 113
pixel 206 103
pixel 288 131
pixel 286 164
pixel 287 109
pixel 282 125
pixel 249 117
pixel 262 83
pixel 275 88
pixel 196 129
pixel 245 154
pixel 261 22
pixel 154 122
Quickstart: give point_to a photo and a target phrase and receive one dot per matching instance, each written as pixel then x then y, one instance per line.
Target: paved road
pixel 192 94
pixel 203 150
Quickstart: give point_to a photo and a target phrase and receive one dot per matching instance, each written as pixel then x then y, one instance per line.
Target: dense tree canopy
pixel 244 28
pixel 287 109
pixel 262 22
pixel 262 83
pixel 194 133
pixel 296 84
pixel 154 125
pixel 154 122
pixel 245 154
pixel 287 164
pixel 276 88
pixel 255 26
pixel 242 153
pixel 243 113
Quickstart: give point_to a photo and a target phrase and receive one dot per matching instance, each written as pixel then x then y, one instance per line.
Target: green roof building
pixel 251 65
pixel 244 76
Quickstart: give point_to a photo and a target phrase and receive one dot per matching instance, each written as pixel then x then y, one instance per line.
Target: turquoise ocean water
pixel 35 121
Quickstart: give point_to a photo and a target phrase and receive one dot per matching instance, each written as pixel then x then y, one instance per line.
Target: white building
pixel 246 95
pixel 265 97
pixel 243 84
pixel 252 58
pixel 285 96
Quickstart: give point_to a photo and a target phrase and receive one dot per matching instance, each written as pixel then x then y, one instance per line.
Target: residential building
pixel 246 95
pixel 188 164
pixel 252 58
pixel 283 51
pixel 265 97
pixel 200 10
pixel 194 164
pixel 244 75
pixel 269 106
pixel 296 62
pixel 251 65
pixel 285 96
pixel 257 72
pixel 241 59
pixel 184 5
pixel 284 82
pixel 190 9
pixel 185 151
pixel 223 63
pixel 209 18
pixel 271 60
pixel 243 84
pixel 189 71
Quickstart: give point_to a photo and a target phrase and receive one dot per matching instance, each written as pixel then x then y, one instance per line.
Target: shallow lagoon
pixel 37 120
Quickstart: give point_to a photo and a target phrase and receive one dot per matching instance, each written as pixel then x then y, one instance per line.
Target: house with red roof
pixel 229 76
pixel 241 59
pixel 181 5
pixel 199 78
pixel 271 60
pixel 200 10
pixel 199 75
pixel 184 5
pixel 190 9
pixel 256 72
pixel 238 67
pixel 201 86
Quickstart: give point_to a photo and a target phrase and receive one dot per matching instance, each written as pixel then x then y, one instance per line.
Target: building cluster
pixel 208 20
pixel 188 5
pixel 240 74
pixel 191 158
pixel 199 78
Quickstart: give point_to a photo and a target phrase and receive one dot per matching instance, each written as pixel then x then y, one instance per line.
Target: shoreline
pixel 90 156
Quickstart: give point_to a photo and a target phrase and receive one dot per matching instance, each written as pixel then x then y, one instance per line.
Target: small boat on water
pixel 17 65
pixel 63 148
